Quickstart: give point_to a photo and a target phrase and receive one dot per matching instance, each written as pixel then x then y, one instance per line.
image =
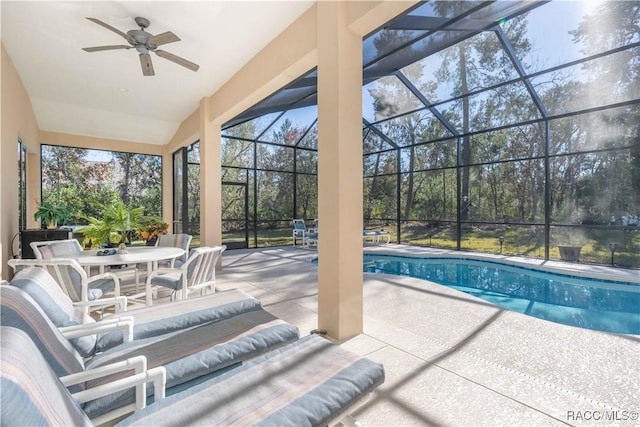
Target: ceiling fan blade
pixel 164 38
pixel 126 36
pixel 178 60
pixel 147 66
pixel 99 48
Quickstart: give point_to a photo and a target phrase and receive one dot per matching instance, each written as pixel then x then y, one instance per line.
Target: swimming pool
pixel 588 303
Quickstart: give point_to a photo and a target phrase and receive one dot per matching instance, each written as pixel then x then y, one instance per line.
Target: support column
pixel 210 178
pixel 340 277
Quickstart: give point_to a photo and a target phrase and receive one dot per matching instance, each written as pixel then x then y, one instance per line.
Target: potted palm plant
pixel 96 233
pixel 113 228
pixel 51 215
pixel 121 219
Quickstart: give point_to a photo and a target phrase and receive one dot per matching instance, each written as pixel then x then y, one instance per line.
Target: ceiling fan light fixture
pixel 144 43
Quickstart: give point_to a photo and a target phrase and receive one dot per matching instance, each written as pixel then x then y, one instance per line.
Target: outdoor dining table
pixel 133 255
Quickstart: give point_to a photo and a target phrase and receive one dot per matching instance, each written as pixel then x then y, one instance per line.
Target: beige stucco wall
pixel 17 121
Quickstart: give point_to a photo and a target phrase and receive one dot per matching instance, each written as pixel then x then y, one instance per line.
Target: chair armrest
pixel 123 323
pixel 157 376
pixel 120 301
pixel 115 278
pixel 19 262
pixel 107 275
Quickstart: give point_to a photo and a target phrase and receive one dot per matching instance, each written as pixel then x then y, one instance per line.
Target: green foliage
pixel 86 185
pixel 121 219
pixel 52 214
pixel 114 225
pixel 96 232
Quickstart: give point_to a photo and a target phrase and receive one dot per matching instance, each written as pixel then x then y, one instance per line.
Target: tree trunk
pixel 466 146
pixel 409 201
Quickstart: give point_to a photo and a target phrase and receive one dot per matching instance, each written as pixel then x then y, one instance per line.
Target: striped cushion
pixel 177 315
pixel 195 352
pixel 173 280
pixel 56 305
pixel 30 393
pixel 149 321
pixel 43 288
pixel 308 382
pixel 180 240
pixel 19 310
pixel 71 281
pixel 60 249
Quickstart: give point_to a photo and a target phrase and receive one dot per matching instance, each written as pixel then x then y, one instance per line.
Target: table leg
pixel 147 286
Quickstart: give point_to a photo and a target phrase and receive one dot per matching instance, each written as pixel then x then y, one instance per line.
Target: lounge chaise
pixel 376 235
pixel 309 382
pixel 188 355
pixel 147 321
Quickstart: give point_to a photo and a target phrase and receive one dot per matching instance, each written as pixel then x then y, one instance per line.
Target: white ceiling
pixel 104 94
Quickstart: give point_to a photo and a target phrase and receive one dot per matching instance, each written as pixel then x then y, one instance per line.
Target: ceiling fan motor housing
pixel 140 36
pixel 142 22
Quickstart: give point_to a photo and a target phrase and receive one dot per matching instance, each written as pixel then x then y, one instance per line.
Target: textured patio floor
pixel 452 359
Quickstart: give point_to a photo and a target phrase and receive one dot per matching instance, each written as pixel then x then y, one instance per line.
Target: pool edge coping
pixel 552 266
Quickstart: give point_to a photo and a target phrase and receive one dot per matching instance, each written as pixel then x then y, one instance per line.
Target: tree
pixel 138 178
pixel 610 25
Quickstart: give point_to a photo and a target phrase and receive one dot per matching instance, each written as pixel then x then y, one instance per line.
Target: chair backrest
pixel 19 310
pixel 179 240
pixel 200 268
pixel 299 225
pixel 68 248
pixel 68 273
pixel 70 276
pixel 30 392
pixel 44 290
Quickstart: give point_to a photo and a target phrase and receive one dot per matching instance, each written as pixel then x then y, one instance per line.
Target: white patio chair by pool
pixel 299 230
pixel 311 235
pixel 375 236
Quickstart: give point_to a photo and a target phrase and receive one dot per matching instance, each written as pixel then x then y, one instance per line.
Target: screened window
pixel 477 126
pixel 88 180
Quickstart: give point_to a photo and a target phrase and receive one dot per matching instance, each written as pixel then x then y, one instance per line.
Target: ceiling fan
pixel 144 43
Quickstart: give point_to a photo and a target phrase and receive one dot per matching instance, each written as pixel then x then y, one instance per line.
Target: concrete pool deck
pixel 453 359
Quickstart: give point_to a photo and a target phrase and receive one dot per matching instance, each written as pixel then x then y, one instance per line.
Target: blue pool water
pixel 588 303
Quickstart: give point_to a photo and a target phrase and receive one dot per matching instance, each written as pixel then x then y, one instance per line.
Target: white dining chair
pixel 73 280
pixel 198 273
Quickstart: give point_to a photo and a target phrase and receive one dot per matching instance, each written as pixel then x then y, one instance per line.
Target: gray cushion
pixel 19 310
pixel 45 291
pixel 195 352
pixel 178 315
pixel 306 383
pixel 30 392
